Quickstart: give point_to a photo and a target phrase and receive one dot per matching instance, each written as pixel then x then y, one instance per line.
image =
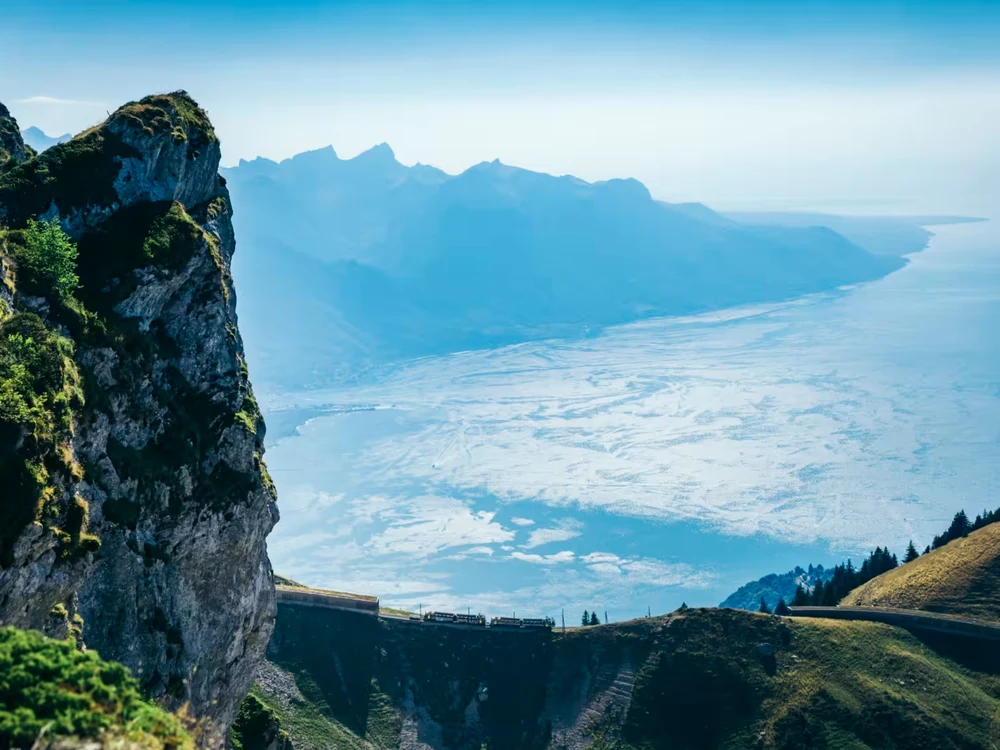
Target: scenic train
pixel 446 617
pixel 544 623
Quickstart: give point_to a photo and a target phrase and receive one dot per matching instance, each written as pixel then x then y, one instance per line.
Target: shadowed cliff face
pixel 139 519
pixel 694 680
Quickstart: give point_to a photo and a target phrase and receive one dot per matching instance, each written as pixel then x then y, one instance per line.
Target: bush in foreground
pixel 50 688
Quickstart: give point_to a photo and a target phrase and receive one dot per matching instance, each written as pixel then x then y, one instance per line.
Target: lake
pixel 657 463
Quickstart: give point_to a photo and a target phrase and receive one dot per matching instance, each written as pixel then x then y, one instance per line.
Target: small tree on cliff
pixel 47 259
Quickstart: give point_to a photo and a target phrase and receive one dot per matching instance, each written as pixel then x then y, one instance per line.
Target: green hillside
pixel 695 679
pixel 962 578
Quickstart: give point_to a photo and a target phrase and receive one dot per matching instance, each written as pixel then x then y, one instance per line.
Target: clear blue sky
pixel 778 104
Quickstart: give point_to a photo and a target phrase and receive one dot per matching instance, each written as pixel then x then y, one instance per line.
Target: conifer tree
pixel 831 596
pixel 817 593
pixel 763 606
pixel 801 596
pixel 586 618
pixel 782 608
pixel 911 553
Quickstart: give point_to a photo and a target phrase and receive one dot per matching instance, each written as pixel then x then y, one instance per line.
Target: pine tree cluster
pixel 961 526
pixel 846 577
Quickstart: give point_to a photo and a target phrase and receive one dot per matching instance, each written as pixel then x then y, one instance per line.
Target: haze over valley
pixel 509 377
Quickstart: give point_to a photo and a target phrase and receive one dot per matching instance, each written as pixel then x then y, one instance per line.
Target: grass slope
pixel 961 578
pixel 702 679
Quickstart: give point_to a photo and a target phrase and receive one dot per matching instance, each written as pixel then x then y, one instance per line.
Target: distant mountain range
pixel 884 235
pixel 39 141
pixel 347 263
pixel 776 586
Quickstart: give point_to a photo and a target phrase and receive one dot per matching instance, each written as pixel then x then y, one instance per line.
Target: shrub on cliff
pixel 46 260
pixel 50 688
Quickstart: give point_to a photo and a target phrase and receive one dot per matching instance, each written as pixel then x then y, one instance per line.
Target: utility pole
pixel 563 612
pixel 605 617
pixel 649 611
pixel 421 611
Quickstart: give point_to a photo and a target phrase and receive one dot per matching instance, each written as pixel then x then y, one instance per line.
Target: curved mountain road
pixel 909 619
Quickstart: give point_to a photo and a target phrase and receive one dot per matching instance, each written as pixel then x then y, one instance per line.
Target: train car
pixel 475 620
pixel 505 622
pixel 544 623
pixel 440 617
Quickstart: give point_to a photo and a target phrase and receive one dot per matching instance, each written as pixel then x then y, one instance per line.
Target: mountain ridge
pixel 40 141
pixel 411 261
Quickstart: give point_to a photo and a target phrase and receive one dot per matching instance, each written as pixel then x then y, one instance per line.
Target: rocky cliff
pixel 12 147
pixel 135 502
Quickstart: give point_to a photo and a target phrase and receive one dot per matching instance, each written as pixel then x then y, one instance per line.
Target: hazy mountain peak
pixel 40 140
pixel 259 161
pixel 326 152
pixel 628 187
pixel 381 152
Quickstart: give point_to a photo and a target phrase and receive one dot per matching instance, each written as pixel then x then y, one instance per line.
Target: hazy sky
pixel 856 106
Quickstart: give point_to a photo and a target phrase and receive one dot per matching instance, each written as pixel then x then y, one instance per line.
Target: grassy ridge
pixel 702 679
pixel 961 578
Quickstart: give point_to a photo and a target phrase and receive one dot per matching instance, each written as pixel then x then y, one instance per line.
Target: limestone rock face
pixel 166 450
pixel 12 148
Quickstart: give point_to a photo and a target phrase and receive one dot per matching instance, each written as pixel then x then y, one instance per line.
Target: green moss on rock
pixel 151 113
pixel 258 728
pixel 71 175
pixel 39 390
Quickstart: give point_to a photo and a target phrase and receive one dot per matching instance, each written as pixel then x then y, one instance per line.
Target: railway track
pixel 305 597
pixel 903 618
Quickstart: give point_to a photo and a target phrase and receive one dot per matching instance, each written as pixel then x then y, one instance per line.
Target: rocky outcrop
pixel 146 534
pixel 12 148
